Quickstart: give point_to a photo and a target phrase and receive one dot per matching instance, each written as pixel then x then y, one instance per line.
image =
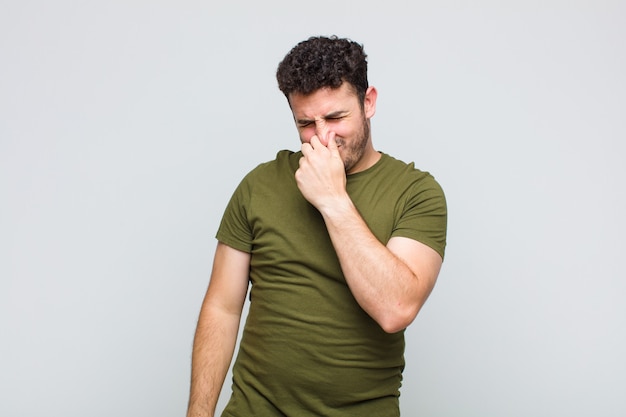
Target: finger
pixel 332 143
pixel 315 141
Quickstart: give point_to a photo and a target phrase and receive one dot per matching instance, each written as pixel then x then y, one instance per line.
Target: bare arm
pixel 391 283
pixel 216 332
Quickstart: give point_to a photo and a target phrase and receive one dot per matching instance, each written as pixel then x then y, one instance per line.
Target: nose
pixel 321 131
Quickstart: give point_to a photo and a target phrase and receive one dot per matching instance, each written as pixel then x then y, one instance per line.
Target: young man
pixel 342 246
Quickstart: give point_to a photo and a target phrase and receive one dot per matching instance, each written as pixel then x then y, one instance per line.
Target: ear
pixel 369 104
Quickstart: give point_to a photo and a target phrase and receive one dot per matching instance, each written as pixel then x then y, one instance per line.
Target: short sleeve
pixel 424 216
pixel 235 230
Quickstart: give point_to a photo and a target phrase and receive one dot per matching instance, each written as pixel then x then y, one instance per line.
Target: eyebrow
pixel 331 115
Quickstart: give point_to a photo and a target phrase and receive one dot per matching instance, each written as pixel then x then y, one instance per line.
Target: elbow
pixel 391 328
pixel 398 319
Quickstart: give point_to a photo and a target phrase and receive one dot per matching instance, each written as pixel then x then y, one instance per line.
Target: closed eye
pixel 302 123
pixel 336 115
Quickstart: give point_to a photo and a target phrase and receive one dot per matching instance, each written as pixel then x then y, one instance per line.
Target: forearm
pixel 390 282
pixel 383 285
pixel 213 348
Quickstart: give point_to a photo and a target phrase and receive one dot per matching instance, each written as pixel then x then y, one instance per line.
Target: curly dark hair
pixel 320 62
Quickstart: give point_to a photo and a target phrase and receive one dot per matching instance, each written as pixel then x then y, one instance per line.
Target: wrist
pixel 337 208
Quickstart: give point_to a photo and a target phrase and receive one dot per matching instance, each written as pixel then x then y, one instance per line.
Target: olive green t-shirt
pixel 308 349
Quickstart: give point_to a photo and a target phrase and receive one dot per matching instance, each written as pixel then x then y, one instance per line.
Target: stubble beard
pixel 353 153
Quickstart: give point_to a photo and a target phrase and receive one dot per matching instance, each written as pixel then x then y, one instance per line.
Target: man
pixel 342 246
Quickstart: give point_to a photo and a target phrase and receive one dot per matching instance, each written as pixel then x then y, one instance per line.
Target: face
pixel 338 110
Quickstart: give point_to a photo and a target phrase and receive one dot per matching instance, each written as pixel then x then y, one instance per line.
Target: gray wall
pixel 126 125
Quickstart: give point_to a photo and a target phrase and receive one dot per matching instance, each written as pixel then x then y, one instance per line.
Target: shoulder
pixel 285 160
pixel 406 174
pixel 271 176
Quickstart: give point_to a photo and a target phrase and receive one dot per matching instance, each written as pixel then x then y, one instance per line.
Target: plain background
pixel 126 125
